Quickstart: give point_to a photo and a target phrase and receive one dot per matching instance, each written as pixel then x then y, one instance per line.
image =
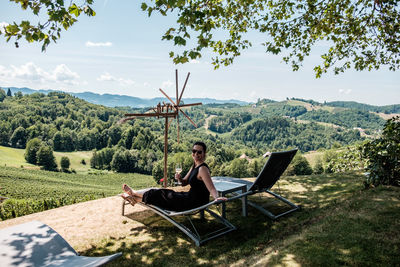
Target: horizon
pixel 119 51
pixel 231 99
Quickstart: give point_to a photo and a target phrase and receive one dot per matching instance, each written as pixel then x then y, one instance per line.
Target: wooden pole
pixel 165 151
pixel 177 102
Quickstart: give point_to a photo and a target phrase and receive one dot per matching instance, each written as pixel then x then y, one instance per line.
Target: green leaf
pixel 12 29
pixel 73 9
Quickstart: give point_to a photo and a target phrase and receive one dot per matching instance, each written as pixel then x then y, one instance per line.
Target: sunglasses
pixel 194 151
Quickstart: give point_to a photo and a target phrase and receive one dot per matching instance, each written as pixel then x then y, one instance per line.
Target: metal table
pixel 224 188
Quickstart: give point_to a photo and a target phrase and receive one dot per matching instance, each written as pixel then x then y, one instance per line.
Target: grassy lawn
pixel 14 157
pixel 75 159
pixel 340 224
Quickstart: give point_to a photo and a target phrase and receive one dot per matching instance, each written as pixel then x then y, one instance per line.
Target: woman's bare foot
pixel 128 190
pixel 129 198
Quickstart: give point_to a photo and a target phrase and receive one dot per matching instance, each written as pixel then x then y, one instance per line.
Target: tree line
pixel 60 122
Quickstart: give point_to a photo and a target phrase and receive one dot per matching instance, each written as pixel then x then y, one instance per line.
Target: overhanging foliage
pixel 359 34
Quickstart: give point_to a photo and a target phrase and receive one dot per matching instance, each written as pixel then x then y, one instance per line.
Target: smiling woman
pixel 199 179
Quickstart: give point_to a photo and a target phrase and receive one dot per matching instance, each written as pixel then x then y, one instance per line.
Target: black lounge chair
pixel 36 244
pixel 266 179
pixel 193 233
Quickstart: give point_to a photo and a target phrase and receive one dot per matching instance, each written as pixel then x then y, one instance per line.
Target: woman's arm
pixel 205 176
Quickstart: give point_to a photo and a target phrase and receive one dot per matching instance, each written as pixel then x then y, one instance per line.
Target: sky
pixel 120 51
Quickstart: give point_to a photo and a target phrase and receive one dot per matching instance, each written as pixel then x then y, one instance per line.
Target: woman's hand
pixel 221 198
pixel 178 178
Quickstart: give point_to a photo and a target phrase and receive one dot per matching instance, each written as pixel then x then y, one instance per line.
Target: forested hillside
pixel 67 123
pixel 348 118
pixel 364 107
pixel 277 133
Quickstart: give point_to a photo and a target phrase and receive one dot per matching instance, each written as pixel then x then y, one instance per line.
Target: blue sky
pixel 119 51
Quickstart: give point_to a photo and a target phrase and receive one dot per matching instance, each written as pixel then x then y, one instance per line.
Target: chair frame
pixel 261 185
pixel 192 233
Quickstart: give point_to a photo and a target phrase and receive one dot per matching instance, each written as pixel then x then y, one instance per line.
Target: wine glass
pixel 178 170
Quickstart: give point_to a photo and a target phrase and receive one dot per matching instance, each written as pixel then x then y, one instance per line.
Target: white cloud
pixel 194 61
pixel 344 91
pixel 107 77
pixel 31 73
pixel 166 84
pixel 146 84
pixel 2 26
pixel 91 44
pixel 64 75
pixel 126 82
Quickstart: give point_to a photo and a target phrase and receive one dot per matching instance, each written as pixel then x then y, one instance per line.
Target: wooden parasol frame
pixel 167 111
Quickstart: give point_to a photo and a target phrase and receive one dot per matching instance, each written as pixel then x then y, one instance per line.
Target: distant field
pixel 313 156
pixel 308 106
pixel 75 159
pixel 386 116
pixel 30 191
pixel 14 157
pixel 16 182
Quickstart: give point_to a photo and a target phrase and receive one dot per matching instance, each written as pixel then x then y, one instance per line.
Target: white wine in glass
pixel 178 170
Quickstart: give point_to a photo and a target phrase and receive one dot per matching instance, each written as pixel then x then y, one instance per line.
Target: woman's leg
pixel 138 197
pixel 129 198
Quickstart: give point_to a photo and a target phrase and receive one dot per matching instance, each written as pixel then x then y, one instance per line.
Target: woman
pixel 201 186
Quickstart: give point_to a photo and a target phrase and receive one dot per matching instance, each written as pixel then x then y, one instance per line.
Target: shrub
pixel 239 168
pixel 46 159
pixel 102 159
pixel 18 138
pixel 299 166
pixel 318 168
pixel 348 159
pixel 158 170
pixel 125 161
pixel 31 150
pixel 64 164
pixel 383 155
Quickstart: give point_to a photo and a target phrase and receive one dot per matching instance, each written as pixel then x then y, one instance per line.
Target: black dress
pixel 197 196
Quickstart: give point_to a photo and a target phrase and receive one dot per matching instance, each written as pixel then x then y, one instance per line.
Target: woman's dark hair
pixel 202 145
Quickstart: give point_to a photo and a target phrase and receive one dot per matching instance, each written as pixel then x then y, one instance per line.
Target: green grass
pixel 340 224
pixel 313 156
pixel 30 191
pixel 75 159
pixel 15 182
pixel 14 157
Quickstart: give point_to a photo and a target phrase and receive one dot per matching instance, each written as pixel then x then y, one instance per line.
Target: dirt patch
pixel 85 223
